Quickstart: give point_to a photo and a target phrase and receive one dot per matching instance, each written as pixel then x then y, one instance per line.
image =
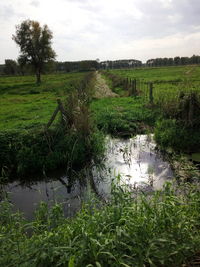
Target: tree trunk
pixel 38 76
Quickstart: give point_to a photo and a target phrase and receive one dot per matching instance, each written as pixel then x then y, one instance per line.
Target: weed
pixel 159 231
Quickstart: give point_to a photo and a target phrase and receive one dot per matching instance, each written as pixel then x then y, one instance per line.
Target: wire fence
pixel 176 98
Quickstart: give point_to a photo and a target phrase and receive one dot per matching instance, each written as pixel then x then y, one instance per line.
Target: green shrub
pixel 173 134
pixel 27 152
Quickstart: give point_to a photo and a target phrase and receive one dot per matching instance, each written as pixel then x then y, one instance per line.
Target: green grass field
pixel 174 88
pixel 178 73
pixel 25 105
pixel 168 82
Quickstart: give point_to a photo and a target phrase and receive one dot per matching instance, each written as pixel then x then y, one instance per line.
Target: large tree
pixel 35 45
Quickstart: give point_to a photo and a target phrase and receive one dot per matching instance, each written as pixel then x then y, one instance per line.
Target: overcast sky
pixel 107 29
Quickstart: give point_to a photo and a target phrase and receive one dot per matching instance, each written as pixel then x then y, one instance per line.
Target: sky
pixel 107 29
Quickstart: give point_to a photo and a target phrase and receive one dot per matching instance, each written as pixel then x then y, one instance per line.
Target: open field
pixel 167 74
pixel 168 82
pixel 26 105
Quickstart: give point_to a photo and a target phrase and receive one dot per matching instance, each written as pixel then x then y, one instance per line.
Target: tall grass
pixel 161 230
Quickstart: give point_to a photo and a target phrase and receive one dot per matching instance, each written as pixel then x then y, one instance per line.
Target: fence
pixel 60 108
pixel 177 98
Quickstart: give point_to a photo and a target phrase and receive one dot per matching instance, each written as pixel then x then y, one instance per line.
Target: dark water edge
pixel 135 162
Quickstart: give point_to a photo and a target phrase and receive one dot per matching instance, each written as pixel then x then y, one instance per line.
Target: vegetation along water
pixel 62 123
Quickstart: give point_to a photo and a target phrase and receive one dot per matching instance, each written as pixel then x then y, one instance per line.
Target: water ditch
pixel 135 162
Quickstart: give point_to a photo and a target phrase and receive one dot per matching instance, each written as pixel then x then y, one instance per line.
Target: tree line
pixel 176 61
pixel 120 64
pixel 14 67
pixel 37 56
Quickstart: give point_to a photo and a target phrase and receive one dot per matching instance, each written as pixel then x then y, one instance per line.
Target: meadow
pixel 167 74
pixel 25 105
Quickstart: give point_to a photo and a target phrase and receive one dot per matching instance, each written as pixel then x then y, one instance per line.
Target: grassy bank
pixel 175 94
pixel 26 146
pixel 160 231
pixel 35 152
pixel 124 116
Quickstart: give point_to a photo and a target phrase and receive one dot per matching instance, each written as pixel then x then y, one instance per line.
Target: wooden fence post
pixel 132 88
pixel 151 93
pixel 125 83
pixel 63 112
pixel 191 109
pixel 52 117
pixel 135 87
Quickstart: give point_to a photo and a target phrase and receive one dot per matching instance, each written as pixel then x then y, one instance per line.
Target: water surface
pixel 135 161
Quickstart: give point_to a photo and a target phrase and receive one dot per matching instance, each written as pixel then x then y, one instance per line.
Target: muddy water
pixel 134 161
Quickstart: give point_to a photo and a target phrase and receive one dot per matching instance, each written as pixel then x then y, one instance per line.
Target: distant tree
pixel 2 66
pixel 195 59
pixel 86 65
pixel 35 45
pixel 184 60
pixel 170 61
pixel 173 61
pixel 50 67
pixel 165 61
pixel 177 60
pixel 10 67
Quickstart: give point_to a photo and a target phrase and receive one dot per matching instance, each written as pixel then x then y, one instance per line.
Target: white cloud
pixel 35 3
pixel 108 29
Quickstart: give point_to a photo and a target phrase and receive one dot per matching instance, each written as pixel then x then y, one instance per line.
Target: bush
pixel 27 152
pixel 173 134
